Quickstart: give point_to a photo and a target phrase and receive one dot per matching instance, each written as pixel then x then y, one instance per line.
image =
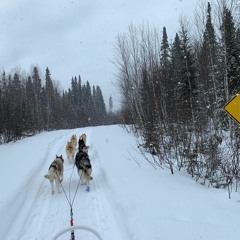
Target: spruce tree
pixel 37 99
pixel 15 119
pixel 165 79
pixel 49 91
pixel 232 51
pixel 30 106
pixel 187 87
pixel 110 105
pixel 100 107
pixel 209 78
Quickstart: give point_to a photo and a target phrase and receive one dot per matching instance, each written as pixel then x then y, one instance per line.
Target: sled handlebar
pixel 81 227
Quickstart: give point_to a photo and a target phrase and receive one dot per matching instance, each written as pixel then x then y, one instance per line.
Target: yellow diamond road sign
pixel 232 107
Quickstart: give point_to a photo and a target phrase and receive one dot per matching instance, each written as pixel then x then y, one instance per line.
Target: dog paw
pixel 52 192
pixel 88 189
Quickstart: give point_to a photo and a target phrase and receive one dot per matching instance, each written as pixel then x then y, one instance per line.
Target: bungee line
pixel 69 200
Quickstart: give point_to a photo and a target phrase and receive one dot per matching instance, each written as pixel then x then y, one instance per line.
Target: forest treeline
pixel 29 105
pixel 173 93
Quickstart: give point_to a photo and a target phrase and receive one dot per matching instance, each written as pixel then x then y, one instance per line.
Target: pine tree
pixel 176 74
pixel 79 96
pixel 37 97
pixel 16 116
pixel 49 93
pixel 101 106
pixel 29 103
pixel 165 80
pixel 187 87
pixel 28 107
pixel 165 52
pixel 209 77
pixel 2 80
pixel 177 65
pixel 94 119
pixel 232 51
pixel 87 107
pixel 110 105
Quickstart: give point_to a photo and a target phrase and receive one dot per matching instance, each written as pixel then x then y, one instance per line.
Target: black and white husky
pixel 82 142
pixel 55 173
pixel 84 167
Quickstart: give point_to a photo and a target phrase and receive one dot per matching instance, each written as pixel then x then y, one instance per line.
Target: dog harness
pixel 82 161
pixel 55 163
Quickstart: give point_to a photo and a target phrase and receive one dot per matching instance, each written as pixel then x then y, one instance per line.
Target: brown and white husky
pixel 74 140
pixel 70 151
pixel 55 173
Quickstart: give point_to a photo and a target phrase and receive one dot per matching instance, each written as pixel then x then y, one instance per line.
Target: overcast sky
pixel 76 37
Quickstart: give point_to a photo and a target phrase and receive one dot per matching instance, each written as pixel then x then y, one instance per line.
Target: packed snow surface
pixel 128 199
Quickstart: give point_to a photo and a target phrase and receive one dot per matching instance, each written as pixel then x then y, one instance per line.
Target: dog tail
pixel 89 178
pixel 51 172
pixel 46 176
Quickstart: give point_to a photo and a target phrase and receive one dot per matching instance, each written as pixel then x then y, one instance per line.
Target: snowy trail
pixel 129 199
pixel 42 215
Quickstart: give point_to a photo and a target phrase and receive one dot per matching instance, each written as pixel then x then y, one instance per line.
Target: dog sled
pixel 77 227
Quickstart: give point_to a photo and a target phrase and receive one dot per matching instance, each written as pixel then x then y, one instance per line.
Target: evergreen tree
pixel 187 87
pixel 73 97
pixel 29 103
pixel 209 77
pixel 28 107
pixel 37 97
pixel 165 52
pixel 232 53
pixel 165 80
pixel 2 80
pixel 88 106
pixel 49 93
pixel 110 105
pixel 8 130
pixel 100 107
pixel 15 119
pixel 79 94
pixel 176 76
pixel 94 112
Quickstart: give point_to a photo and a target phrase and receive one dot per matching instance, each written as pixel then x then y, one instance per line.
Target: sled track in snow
pixel 42 215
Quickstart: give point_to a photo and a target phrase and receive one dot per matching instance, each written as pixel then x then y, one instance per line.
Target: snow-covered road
pixel 36 214
pixel 127 201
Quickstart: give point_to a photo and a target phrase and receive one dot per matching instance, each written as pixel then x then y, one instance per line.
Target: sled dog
pixel 74 140
pixel 82 143
pixel 84 167
pixel 55 173
pixel 70 151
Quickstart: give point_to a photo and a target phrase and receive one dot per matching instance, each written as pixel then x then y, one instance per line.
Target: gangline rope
pixel 69 200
